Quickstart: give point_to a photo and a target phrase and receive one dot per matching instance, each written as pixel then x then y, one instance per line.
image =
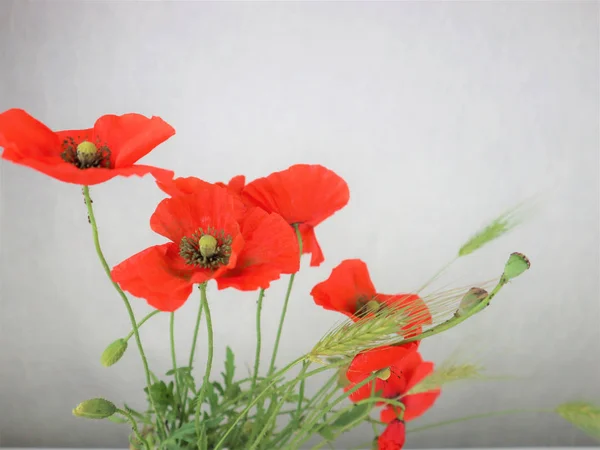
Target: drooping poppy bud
pixel 95 408
pixel 113 352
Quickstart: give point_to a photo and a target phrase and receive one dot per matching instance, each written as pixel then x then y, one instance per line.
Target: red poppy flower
pixel 393 437
pixel 349 290
pixel 303 194
pixel 399 369
pixel 390 364
pixel 85 157
pixel 210 240
pixel 415 405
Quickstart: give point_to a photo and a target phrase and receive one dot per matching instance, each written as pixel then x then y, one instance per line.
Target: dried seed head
pixel 517 264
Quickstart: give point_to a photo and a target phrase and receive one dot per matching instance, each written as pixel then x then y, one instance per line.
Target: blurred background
pixel 439 115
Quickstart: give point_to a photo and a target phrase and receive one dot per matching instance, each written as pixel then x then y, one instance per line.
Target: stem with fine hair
pixel 191 360
pixel 134 427
pixel 285 306
pixel 258 341
pixel 92 219
pixel 174 359
pixel 455 320
pixel 142 322
pixel 209 359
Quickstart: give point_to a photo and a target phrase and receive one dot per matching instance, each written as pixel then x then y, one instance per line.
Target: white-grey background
pixel 439 116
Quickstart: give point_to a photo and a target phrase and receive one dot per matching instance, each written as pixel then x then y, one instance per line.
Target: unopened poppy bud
pixel 517 264
pixel 384 374
pixel 113 352
pixel 86 152
pixel 472 298
pixel 95 408
pixel 207 245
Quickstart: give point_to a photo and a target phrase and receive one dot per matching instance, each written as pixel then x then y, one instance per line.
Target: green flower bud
pixel 517 264
pixel 470 299
pixel 113 352
pixel 207 245
pixel 342 380
pixel 95 408
pixel 86 151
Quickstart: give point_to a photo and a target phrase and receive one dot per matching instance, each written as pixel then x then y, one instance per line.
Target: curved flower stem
pixel 305 365
pixel 140 323
pixel 285 305
pixel 455 320
pixel 258 342
pixel 90 210
pixel 477 416
pixel 209 359
pixel 174 359
pixel 191 360
pixel 134 427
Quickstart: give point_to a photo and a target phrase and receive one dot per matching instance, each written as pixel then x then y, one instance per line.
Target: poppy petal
pixel 235 185
pixel 365 391
pixel 182 185
pixel 416 405
pixel 270 249
pixel 378 358
pixel 348 283
pixel 310 245
pixel 303 193
pixel 157 275
pixel 68 173
pixel 26 136
pixel 131 136
pixel 393 437
pixel 415 309
pixel 208 207
pixel 420 371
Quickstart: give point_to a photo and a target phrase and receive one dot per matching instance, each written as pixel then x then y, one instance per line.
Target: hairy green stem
pixel 209 359
pixel 455 320
pixel 174 361
pixel 142 322
pixel 258 342
pixel 191 361
pixel 285 306
pixel 134 427
pixel 136 333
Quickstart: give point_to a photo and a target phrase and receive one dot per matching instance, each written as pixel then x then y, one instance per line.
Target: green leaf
pixel 327 432
pixel 160 394
pixel 353 415
pixel 219 388
pixel 180 370
pixel 229 367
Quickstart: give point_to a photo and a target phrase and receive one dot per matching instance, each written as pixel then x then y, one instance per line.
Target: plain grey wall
pixel 439 116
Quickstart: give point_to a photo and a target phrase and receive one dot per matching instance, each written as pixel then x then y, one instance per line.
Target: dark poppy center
pixel 86 154
pixel 209 250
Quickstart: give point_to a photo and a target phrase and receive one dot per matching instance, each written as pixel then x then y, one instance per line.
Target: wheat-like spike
pixel 497 228
pixel 585 416
pixel 445 374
